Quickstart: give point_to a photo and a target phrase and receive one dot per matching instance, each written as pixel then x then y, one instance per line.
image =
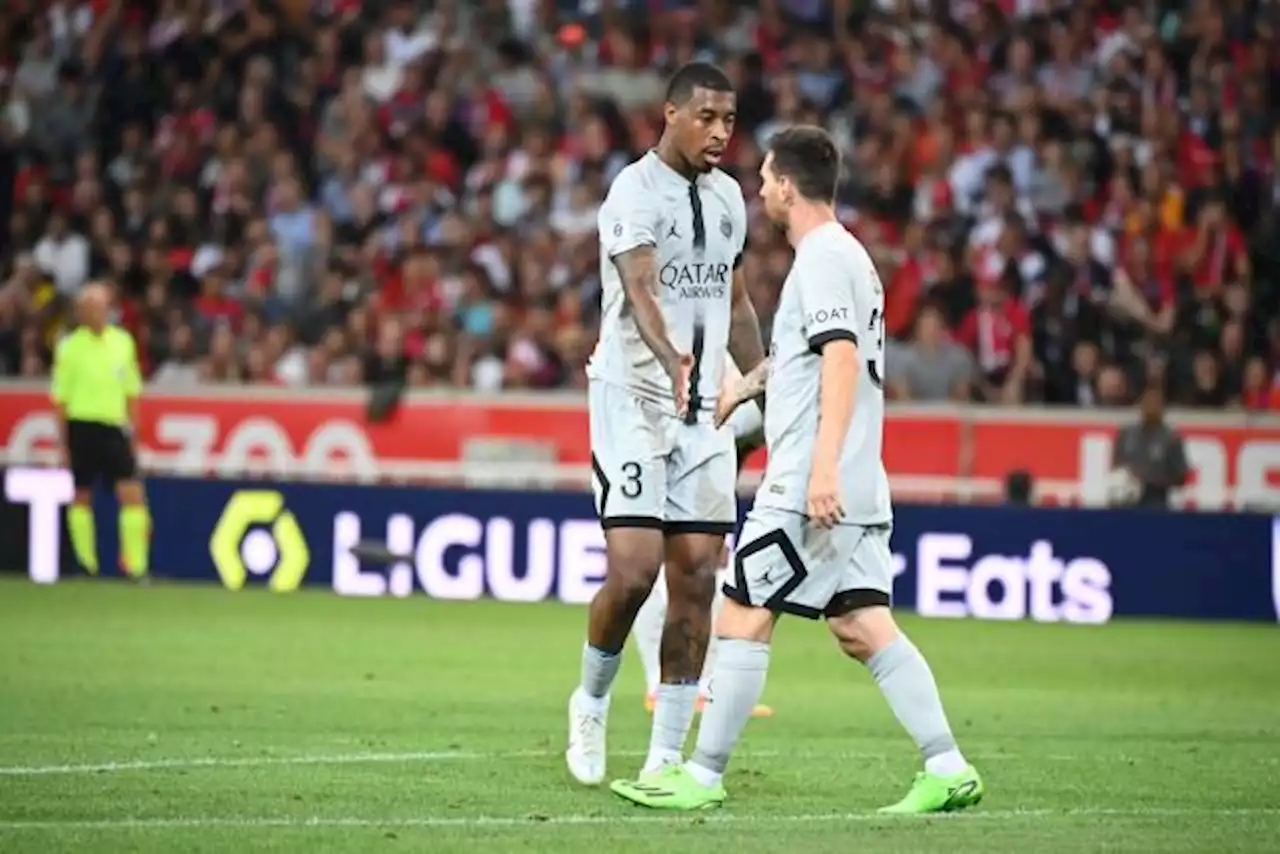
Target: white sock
pixel 672 718
pixel 951 762
pixel 740 676
pixel 908 684
pixel 703 774
pixel 599 669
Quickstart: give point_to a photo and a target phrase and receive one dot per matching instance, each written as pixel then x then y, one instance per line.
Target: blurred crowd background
pixel 1068 201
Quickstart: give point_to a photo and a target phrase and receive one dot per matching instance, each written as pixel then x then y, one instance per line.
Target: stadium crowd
pixel 1066 200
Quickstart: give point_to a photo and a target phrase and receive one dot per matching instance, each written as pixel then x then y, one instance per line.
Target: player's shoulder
pixel 828 242
pixel 722 180
pixel 636 177
pixel 69 341
pixel 120 336
pixel 836 244
pixel 727 187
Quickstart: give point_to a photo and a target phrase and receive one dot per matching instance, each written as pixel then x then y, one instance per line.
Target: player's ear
pixel 669 111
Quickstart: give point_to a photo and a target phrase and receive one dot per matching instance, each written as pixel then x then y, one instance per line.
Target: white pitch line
pixel 237 762
pixel 427 756
pixel 534 820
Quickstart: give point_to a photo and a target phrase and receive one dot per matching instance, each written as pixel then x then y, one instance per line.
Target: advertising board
pixel 1008 563
pixel 959 454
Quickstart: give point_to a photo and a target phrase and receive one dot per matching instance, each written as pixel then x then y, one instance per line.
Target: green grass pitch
pixel 191 719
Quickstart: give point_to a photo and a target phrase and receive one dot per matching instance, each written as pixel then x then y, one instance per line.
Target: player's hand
pixel 728 401
pixel 823 502
pixel 680 374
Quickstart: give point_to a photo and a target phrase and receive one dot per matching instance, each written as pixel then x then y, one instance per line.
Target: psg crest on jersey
pixel 726 227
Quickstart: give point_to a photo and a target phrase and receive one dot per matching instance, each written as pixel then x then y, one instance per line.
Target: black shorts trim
pixel 719 529
pixel 649 522
pixel 777 603
pixel 822 339
pixel 605 486
pixel 848 601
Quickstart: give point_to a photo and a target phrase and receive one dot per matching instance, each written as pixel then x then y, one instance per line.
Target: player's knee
pixel 631 583
pixel 632 573
pixel 743 622
pixel 692 565
pixel 82 497
pixel 695 586
pixel 863 632
pixel 129 492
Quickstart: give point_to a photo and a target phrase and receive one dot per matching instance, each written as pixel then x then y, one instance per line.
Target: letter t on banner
pixel 45 492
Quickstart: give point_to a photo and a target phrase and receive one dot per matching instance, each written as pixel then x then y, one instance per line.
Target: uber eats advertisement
pixel 1000 563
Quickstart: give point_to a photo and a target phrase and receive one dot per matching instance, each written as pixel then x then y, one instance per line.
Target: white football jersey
pixel 699 231
pixel 832 292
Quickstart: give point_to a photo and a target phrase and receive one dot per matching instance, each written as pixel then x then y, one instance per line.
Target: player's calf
pixel 744 634
pixel 871 635
pixel 633 559
pixel 135 529
pixel 690 575
pixel 82 529
pixel 687 628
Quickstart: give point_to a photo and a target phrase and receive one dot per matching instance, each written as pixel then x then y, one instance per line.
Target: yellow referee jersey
pixel 95 376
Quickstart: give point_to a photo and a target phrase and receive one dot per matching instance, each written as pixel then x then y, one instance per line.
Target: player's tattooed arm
pixel 749 387
pixel 638 269
pixel 746 345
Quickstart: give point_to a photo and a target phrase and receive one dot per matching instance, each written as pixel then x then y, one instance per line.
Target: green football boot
pixel 673 788
pixel 932 793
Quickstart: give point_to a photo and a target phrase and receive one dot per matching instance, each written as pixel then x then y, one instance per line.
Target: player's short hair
pixel 808 156
pixel 696 75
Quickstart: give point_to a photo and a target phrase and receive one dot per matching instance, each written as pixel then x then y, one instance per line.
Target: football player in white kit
pixel 816 542
pixel 672 232
pixel 747 425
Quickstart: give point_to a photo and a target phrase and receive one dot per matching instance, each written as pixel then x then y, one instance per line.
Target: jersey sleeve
pixel 132 373
pixel 60 381
pixel 825 279
pixel 628 219
pixel 740 225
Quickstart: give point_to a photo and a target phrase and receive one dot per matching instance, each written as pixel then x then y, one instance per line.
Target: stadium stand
pixel 1067 200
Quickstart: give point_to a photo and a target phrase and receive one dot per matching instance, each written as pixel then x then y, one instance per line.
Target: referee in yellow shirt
pixel 96 386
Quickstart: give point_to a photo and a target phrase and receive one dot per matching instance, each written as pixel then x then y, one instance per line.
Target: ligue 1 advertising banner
pixel 998 563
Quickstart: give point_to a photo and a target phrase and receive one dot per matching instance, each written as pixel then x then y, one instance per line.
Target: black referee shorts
pixel 99 451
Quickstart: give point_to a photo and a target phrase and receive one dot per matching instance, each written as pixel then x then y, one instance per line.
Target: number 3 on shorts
pixel 628 493
pixel 631 487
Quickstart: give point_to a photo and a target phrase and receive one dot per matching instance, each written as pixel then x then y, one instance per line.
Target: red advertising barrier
pixel 951 453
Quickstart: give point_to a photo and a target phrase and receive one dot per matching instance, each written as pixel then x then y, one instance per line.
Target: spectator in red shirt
pixel 997 332
pixel 214 305
pixel 1260 392
pixel 1215 254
